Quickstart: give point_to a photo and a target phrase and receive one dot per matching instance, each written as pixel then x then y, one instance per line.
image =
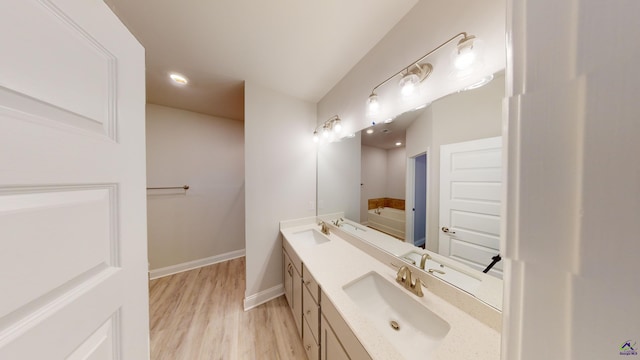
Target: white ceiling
pixel 385 135
pixel 298 47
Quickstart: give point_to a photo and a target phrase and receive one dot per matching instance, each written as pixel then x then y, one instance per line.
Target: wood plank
pixel 198 314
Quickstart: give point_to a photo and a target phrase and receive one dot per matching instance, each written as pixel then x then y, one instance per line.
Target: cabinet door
pixel 331 347
pixel 287 271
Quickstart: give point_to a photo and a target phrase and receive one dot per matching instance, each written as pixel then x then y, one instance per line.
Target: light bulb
pixel 337 126
pixel 373 105
pixel 325 132
pixel 315 136
pixel 408 84
pixel 466 57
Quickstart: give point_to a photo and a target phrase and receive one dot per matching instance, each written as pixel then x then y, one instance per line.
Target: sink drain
pixel 395 325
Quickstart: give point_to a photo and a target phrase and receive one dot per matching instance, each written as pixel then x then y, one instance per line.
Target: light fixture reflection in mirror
pixel 331 129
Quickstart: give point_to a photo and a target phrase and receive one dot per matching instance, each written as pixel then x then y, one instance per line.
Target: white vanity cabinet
pixel 324 333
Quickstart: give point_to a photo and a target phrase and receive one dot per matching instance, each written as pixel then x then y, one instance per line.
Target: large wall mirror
pixel 426 181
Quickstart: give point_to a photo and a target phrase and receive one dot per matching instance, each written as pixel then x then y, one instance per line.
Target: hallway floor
pixel 198 314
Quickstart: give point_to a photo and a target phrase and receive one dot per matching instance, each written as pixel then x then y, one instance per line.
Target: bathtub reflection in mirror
pixel 390 193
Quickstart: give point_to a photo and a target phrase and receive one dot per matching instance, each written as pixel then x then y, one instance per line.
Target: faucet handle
pixel 401 276
pixel 416 286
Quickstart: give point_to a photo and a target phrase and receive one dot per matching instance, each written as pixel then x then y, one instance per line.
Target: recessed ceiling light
pixel 178 79
pixel 398 143
pixel 388 121
pixel 369 131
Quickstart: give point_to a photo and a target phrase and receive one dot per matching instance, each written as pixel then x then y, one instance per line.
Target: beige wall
pixel 396 172
pixel 206 153
pixel 280 169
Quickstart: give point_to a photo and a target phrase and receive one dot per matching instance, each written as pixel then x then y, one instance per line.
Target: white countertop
pixel 336 263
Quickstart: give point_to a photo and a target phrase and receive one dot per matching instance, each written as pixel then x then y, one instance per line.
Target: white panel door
pixel 470 197
pixel 73 258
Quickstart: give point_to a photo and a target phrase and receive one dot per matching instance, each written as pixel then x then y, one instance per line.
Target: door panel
pixel 470 200
pixel 73 261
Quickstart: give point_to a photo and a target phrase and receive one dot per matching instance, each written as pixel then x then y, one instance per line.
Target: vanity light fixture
pixel 416 72
pixel 334 124
pixel 179 79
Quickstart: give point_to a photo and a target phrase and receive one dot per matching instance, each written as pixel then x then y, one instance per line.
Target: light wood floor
pixel 198 315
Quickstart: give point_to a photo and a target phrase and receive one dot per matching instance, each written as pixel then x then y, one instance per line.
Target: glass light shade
pixel 337 126
pixel 325 132
pixel 373 105
pixel 315 136
pixel 467 57
pixel 408 84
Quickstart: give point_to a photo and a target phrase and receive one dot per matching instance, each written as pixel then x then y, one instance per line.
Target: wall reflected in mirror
pixel 388 177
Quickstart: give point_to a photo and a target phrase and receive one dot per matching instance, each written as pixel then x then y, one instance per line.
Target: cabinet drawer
pixel 310 345
pixel 311 283
pixel 310 311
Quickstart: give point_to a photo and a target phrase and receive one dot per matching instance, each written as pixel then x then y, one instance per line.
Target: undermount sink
pixel 414 330
pixel 309 237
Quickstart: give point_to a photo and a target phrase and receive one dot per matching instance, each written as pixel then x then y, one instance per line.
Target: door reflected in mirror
pixel 429 178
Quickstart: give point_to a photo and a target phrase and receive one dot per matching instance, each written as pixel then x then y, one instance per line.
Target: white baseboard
pixel 262 297
pixel 174 269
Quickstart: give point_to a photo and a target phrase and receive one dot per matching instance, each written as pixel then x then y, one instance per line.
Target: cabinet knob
pixel 308 347
pixel 308 312
pixel 307 282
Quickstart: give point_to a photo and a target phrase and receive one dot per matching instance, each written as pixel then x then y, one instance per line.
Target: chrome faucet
pixel 323 227
pixel 423 260
pixel 337 222
pixel 404 278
